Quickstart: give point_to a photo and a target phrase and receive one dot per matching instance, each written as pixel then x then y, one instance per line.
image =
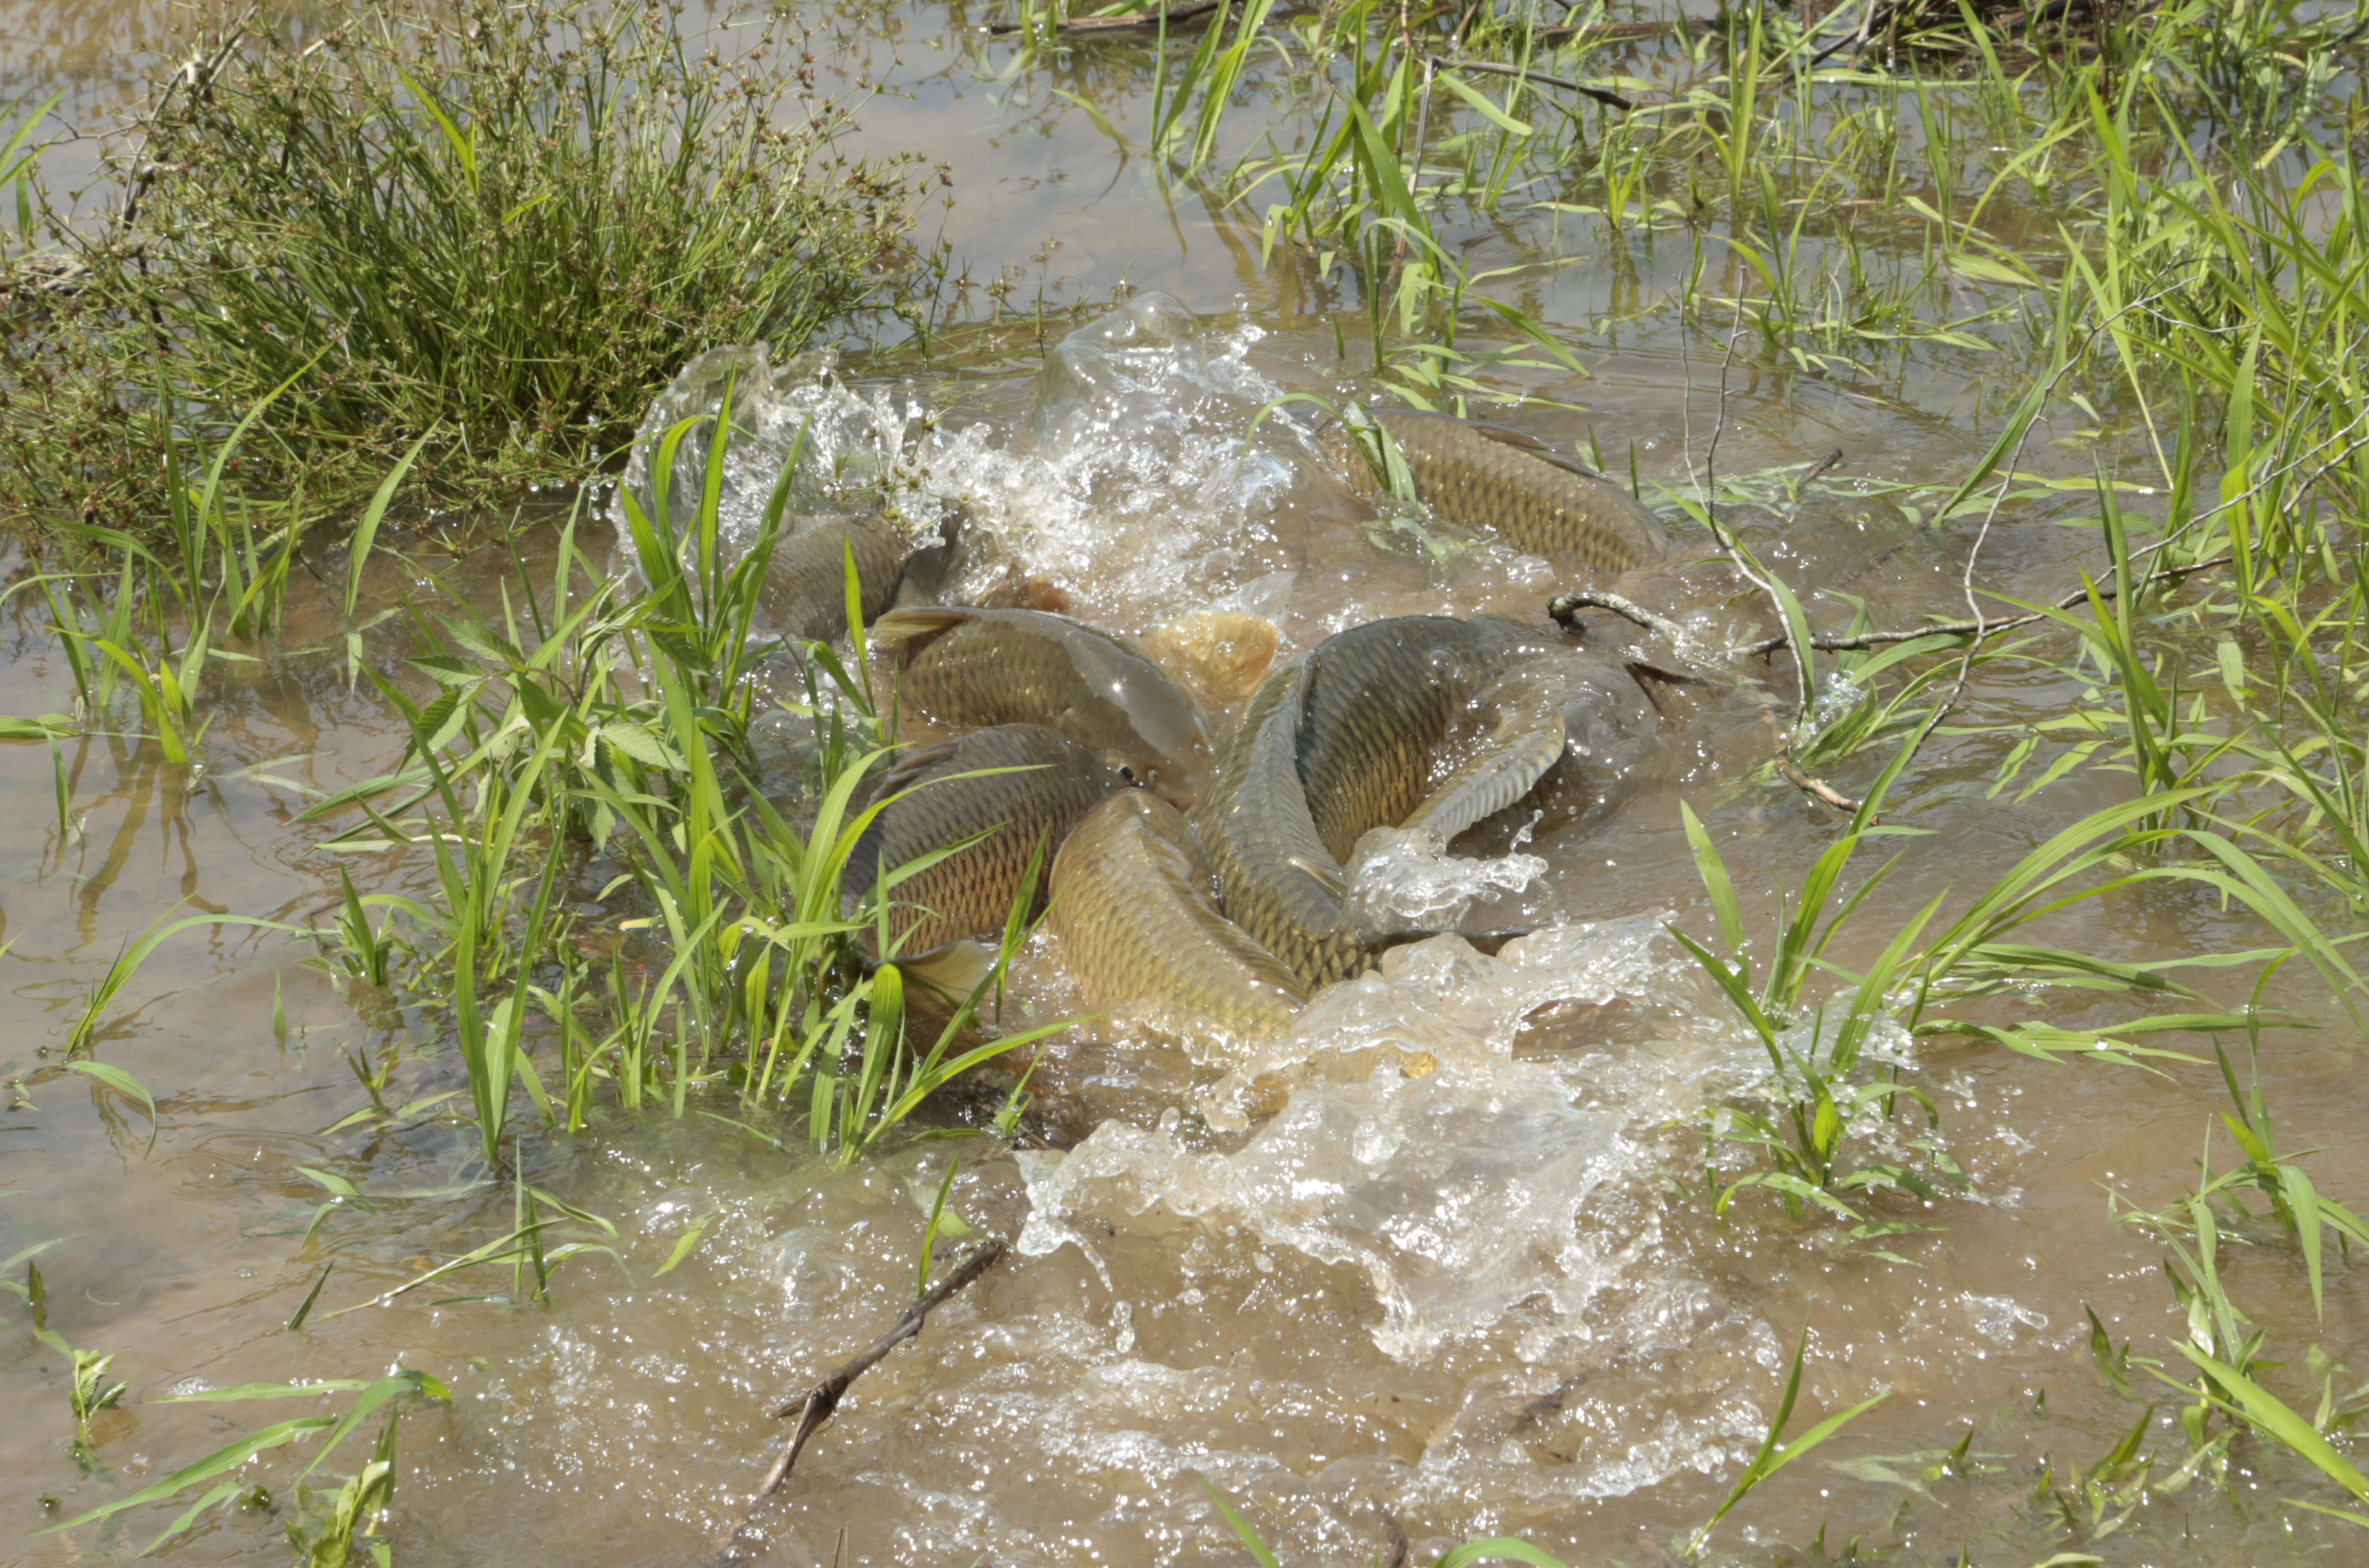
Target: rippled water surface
pixel 1466 1281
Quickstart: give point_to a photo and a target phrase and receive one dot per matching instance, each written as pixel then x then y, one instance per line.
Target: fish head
pixel 1176 776
pixel 1144 725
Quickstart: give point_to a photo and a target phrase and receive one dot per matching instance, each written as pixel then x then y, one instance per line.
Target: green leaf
pixel 123 1083
pixel 366 530
pixel 1497 1547
pixel 1715 880
pixel 222 1493
pixel 2267 1415
pixel 683 1245
pixel 267 1390
pixel 1481 101
pixel 1250 1543
pixel 221 1461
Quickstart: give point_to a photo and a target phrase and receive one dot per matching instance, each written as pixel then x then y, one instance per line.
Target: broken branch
pixel 816 1405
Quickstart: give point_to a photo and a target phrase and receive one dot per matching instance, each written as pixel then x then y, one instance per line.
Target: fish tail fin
pixel 905 631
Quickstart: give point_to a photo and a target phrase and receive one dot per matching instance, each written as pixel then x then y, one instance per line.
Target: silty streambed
pixel 1484 1298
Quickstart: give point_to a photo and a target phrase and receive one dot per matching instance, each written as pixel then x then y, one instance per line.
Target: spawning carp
pixel 1134 903
pixel 1402 723
pixel 969 894
pixel 1534 498
pixel 804 591
pixel 988 666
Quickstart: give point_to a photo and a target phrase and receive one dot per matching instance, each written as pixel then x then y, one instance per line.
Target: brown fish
pixel 1398 723
pixel 969 894
pixel 986 667
pixel 804 591
pixel 1134 902
pixel 1535 499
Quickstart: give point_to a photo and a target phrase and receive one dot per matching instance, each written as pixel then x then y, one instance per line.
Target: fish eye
pixel 1126 773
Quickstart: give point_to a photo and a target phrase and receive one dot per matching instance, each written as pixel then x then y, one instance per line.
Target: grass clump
pixel 505 224
pixel 619 725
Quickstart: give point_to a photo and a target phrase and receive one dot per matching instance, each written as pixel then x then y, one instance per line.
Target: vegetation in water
pixel 2187 277
pixel 495 229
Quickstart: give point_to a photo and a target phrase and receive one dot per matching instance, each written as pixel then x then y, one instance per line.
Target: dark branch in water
pixel 1830 644
pixel 1601 94
pixel 816 1405
pixel 1808 784
pixel 1566 609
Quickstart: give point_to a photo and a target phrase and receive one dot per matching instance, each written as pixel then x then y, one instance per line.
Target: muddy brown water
pixel 1488 1297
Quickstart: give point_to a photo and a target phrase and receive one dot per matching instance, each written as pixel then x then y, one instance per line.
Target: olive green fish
pixel 1534 498
pixel 1134 902
pixel 804 591
pixel 971 893
pixel 963 666
pixel 1405 723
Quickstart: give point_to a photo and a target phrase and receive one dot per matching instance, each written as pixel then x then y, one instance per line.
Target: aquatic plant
pixel 621 725
pixel 499 226
pixel 321 1538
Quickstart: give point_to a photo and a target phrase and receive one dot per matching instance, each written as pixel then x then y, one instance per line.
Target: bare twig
pixel 1612 32
pixel 1813 786
pixel 1566 609
pixel 1981 626
pixel 1601 94
pixel 815 1406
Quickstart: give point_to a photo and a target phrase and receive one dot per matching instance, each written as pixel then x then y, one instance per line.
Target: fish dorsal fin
pixel 1324 874
pixel 905 633
pixel 1522 440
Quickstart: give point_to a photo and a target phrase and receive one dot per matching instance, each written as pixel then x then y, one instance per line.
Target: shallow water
pixel 1465 1282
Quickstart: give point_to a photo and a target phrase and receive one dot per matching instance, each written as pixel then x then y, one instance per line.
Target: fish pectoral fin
pixel 1331 878
pixel 908 631
pixel 1491 781
pixel 953 969
pixel 1506 435
pixel 1484 941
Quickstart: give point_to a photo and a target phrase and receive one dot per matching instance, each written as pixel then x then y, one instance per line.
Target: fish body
pixel 1134 902
pixel 969 894
pixel 995 667
pixel 804 591
pixel 1537 500
pixel 1404 721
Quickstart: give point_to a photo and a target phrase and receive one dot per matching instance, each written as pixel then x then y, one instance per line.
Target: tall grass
pixel 621 727
pixel 502 225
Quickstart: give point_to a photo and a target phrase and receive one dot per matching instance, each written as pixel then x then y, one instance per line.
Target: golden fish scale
pixel 1380 705
pixel 1255 823
pixel 990 672
pixel 1342 741
pixel 804 591
pixel 1132 905
pixel 968 895
pixel 1535 505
